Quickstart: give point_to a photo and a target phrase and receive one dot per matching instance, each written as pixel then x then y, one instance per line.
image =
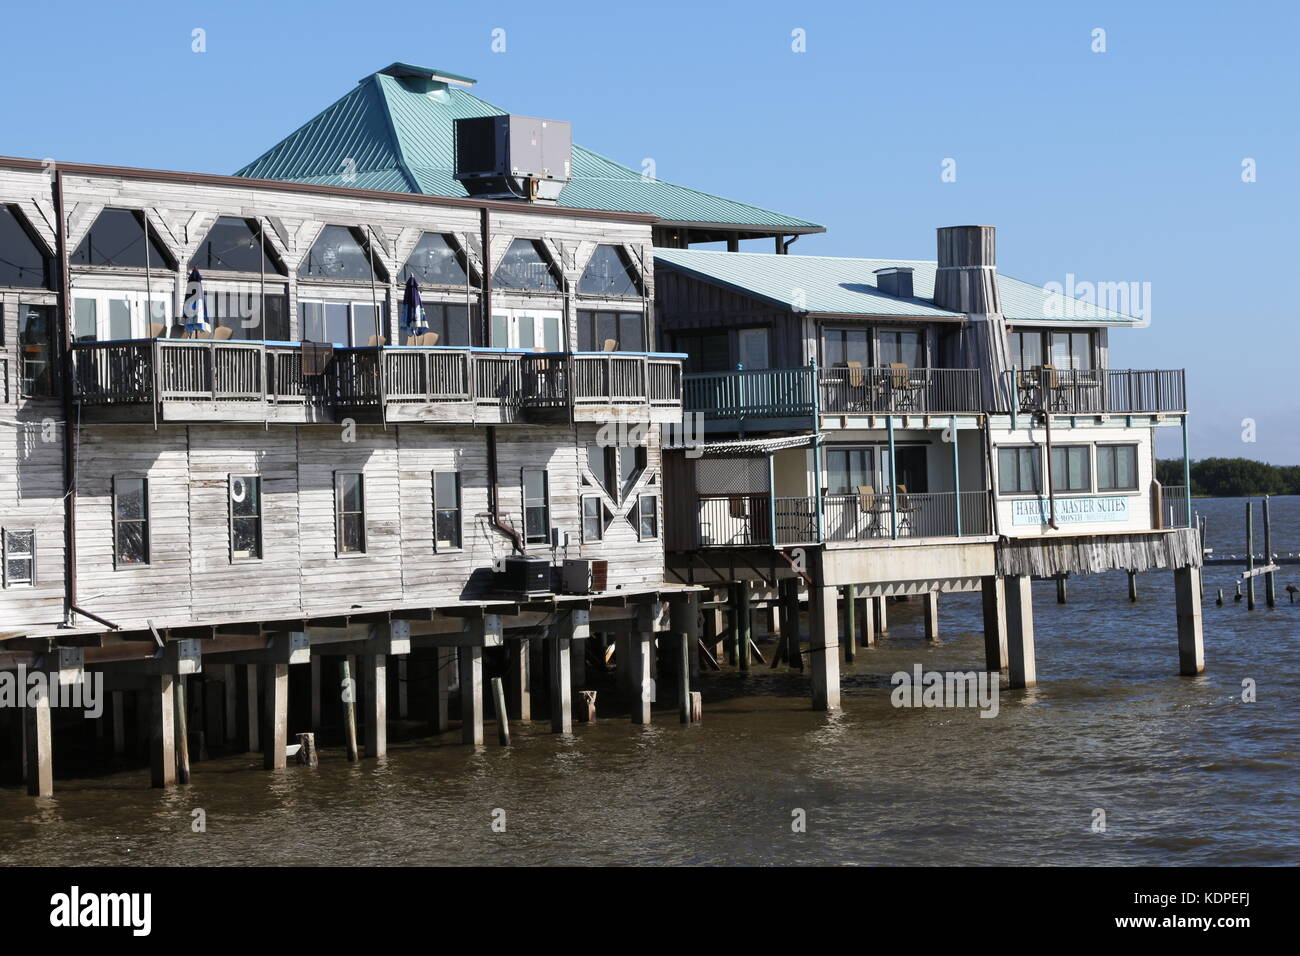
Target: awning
pixel 751 447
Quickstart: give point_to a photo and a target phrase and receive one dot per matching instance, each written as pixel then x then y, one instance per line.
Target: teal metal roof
pixel 822 284
pixel 396 132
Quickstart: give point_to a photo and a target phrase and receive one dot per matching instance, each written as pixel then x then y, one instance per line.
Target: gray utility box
pixel 513 157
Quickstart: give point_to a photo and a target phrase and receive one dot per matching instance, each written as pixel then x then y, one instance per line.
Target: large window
pixel 593 519
pixel 36 340
pixel 19 559
pixel 120 239
pixel 537 331
pixel 1018 471
pixel 905 348
pixel 245 517
pixel 537 506
pixel 523 268
pixel 646 513
pixel 340 323
pixel 350 512
pixel 453 324
pixel 751 346
pixel 1071 468
pixel 1071 349
pixel 608 274
pixel 23 261
pixel 611 331
pixel 249 317
pixel 434 262
pixel 1026 349
pixel 100 315
pixel 446 511
pixel 131 520
pixel 1117 468
pixel 841 347
pixel 236 245
pixel 338 253
pixel 849 469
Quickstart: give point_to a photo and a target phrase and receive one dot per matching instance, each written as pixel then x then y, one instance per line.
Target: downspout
pixel 494 493
pixel 494 484
pixel 1051 491
pixel 69 452
pixel 893 481
pixel 817 451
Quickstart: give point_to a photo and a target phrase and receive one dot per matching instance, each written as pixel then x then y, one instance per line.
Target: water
pixel 1186 772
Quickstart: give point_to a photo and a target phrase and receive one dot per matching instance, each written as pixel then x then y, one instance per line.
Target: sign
pixel 1069 510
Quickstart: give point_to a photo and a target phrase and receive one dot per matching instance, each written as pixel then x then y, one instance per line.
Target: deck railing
pixel 746 520
pixel 1098 391
pixel 560 380
pixel 1174 512
pixel 497 379
pixel 750 393
pixel 856 391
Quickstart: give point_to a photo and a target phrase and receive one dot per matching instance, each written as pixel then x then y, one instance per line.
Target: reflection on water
pixel 1186 772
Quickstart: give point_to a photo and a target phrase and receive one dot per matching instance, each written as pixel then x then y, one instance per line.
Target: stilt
pixel 471 694
pixel 1020 632
pixel 248 714
pixel 119 723
pixel 182 732
pixel 316 665
pixel 275 733
pixel 401 686
pixel 445 660
pixel 162 730
pixel 214 700
pixel 1132 586
pixel 1270 578
pixel 231 682
pixel 520 702
pixel 932 615
pixel 994 596
pixel 823 649
pixel 743 626
pixel 307 755
pixel 38 744
pixel 850 625
pixel 789 590
pixel 586 706
pixel 866 622
pixel 502 712
pixel 640 646
pixel 375 670
pixel 559 666
pixel 685 619
pixel 348 690
pixel 882 616
pixel 1250 555
pixel 1061 593
pixel 1191 645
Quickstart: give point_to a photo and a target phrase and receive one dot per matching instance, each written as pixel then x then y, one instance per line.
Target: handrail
pixel 1098 391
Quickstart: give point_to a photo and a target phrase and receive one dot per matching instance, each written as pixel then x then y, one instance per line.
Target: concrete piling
pixel 1191 645
pixel 823 641
pixel 1021 668
pixel 932 615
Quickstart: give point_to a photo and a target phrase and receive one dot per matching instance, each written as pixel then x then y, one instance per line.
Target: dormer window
pixel 121 238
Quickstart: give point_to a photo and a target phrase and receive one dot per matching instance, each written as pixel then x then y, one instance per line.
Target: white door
pixel 536 330
pixel 100 316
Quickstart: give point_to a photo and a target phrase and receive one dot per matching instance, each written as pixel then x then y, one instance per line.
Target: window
pixel 631 463
pixel 532 329
pixel 101 315
pixel 609 274
pixel 131 520
pixel 340 323
pixel 537 509
pixel 525 269
pixel 249 316
pixel 1117 468
pixel 1018 471
pixel 842 346
pixel 36 342
pixel 1071 468
pixel 617 469
pixel 907 348
pixel 338 254
pixel 23 261
pixel 848 469
pixel 1026 349
pixel 597 329
pixel 1071 349
pixel 453 324
pixel 245 517
pixel 704 353
pixel 235 245
pixel 751 347
pixel 19 558
pixel 646 513
pixel 350 512
pixel 120 238
pixel 446 510
pixel 434 262
pixel 593 519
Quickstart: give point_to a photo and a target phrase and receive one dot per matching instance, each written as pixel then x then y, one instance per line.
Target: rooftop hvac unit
pixel 583 576
pixel 513 157
pixel 524 575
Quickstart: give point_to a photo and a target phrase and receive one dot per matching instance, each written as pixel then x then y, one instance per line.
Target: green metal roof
pixel 395 131
pixel 823 284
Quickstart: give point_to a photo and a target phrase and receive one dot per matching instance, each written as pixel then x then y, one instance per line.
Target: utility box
pixel 513 157
pixel 525 575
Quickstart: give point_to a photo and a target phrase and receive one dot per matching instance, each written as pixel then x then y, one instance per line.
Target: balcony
pixel 734 521
pixel 1097 391
pixel 183 380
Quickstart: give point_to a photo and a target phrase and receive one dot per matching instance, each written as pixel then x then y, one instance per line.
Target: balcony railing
pixel 1174 511
pixel 767 393
pixel 746 520
pixel 1098 391
pixel 593 384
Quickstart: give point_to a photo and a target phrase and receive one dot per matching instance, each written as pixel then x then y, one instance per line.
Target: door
pixel 534 330
pixel 100 316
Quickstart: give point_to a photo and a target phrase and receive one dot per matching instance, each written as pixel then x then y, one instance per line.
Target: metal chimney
pixel 966 280
pixel 895 281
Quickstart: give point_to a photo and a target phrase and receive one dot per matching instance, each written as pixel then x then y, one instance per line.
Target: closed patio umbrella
pixel 413 309
pixel 195 310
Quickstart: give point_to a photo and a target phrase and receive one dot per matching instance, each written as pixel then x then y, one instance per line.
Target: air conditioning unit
pixel 584 576
pixel 525 575
pixel 513 157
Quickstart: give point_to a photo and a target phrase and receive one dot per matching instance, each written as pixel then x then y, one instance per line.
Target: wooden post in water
pixel 376 696
pixel 744 630
pixel 1132 585
pixel 518 661
pixel 348 689
pixel 822 641
pixel 640 647
pixel 866 622
pixel 993 595
pixel 1021 667
pixel 440 717
pixel 790 626
pixel 316 664
pixel 275 733
pixel 1061 593
pixel 471 694
pixel 882 616
pixel 1250 556
pixel 503 717
pixel 182 732
pixel 1191 647
pixel 850 625
pixel 249 720
pixel 162 731
pixel 38 742
pixel 1270 585
pixel 932 615
pixel 307 755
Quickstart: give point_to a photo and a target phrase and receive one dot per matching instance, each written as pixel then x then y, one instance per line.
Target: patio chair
pixel 223 333
pixel 376 340
pixel 427 338
pixel 906 509
pixel 873 506
pixel 156 330
pixel 611 345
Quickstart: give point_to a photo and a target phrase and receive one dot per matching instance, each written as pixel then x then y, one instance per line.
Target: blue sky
pixel 1121 166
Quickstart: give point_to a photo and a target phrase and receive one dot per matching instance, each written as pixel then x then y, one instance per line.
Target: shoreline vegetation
pixel 1231 477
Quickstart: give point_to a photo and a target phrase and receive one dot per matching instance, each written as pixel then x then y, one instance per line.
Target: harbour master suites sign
pixel 1069 510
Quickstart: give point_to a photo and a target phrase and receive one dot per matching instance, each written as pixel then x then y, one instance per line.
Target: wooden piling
pixel 316 665
pixel 1270 585
pixel 307 756
pixel 1061 589
pixel 822 641
pixel 182 732
pixel 162 730
pixel 993 597
pixel 696 707
pixel 789 590
pixel 275 733
pixel 503 716
pixel 932 615
pixel 250 721
pixel 743 625
pixel 471 695
pixel 866 623
pixel 440 712
pixel 1021 666
pixel 38 743
pixel 850 625
pixel 1191 646
pixel 376 698
pixel 586 706
pixel 1250 556
pixel 1132 586
pixel 520 696
pixel 348 690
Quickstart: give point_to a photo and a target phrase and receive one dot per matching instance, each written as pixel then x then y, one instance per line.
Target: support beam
pixel 275 732
pixel 1191 644
pixel 181 717
pixel 317 664
pixel 1021 669
pixel 867 622
pixel 39 742
pixel 348 692
pixel 518 680
pixel 249 722
pixel 559 649
pixel 440 718
pixel 375 675
pixel 471 695
pixel 1132 586
pixel 850 625
pixel 162 730
pixel 742 625
pixel 994 597
pixel 932 615
pixel 823 648
pixel 882 616
pixel 640 645
pixel 790 622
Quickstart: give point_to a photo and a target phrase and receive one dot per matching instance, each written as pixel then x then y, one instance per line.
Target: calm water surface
pixel 1186 772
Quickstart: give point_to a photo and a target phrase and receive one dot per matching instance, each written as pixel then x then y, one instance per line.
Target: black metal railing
pixel 1098 391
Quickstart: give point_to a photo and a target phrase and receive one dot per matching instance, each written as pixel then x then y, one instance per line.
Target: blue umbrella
pixel 195 309
pixel 413 309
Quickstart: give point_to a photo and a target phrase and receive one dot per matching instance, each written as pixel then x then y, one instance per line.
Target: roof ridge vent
pixel 422 79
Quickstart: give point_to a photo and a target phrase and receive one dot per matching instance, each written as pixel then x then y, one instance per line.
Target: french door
pixel 536 330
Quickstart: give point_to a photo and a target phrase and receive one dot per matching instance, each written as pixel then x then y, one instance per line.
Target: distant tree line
pixel 1232 477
